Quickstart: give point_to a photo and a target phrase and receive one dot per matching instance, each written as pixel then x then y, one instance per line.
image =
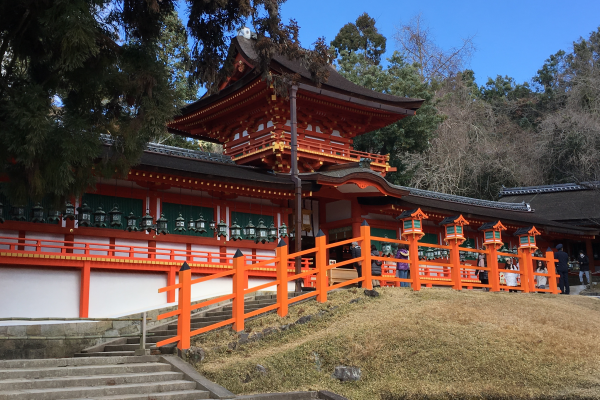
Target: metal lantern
pixel 272 233
pixel 69 212
pixel 37 213
pixel 283 230
pixel 222 229
pixel 429 253
pixel 292 234
pixel 131 222
pixel 99 218
pixel 1 213
pixel 445 253
pixel 462 256
pixel 53 216
pixel 386 247
pixel 115 217
pixel 235 231
pixel 162 224
pixel 262 232
pixel 201 224
pixel 191 225
pixel 18 213
pixel 420 253
pixel 147 222
pixel 213 226
pixel 84 216
pixel 437 253
pixel 179 223
pixel 250 231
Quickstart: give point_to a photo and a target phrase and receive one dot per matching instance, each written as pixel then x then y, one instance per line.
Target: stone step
pixel 93 380
pixel 174 395
pixel 83 370
pixel 111 348
pixel 75 362
pixel 107 354
pixel 152 339
pixel 96 391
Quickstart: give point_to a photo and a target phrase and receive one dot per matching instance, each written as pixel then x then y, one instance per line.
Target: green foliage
pixel 363 37
pixel 407 135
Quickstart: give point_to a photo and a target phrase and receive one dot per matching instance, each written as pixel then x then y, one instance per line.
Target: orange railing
pixel 313 146
pixel 431 273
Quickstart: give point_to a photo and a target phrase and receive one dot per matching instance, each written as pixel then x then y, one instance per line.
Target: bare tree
pixel 415 40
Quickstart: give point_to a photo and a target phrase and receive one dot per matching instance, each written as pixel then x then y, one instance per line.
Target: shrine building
pixel 107 252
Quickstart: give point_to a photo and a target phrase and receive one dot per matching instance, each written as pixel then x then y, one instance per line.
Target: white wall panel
pixel 202 249
pixel 8 234
pixel 46 236
pixel 99 243
pixel 163 250
pixel 120 293
pixel 139 252
pixel 37 292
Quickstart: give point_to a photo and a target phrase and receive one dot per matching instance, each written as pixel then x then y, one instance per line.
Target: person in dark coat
pixel 375 266
pixel 356 253
pixel 584 267
pixel 562 269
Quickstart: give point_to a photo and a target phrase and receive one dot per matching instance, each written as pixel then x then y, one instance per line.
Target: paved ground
pixel 577 289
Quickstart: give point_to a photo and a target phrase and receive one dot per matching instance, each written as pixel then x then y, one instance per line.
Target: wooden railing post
pixel 171 282
pixel 552 285
pixel 185 305
pixel 413 256
pixel 492 262
pixel 365 233
pixel 321 267
pixel 455 261
pixel 237 309
pixel 282 273
pixel 84 293
pixel 526 269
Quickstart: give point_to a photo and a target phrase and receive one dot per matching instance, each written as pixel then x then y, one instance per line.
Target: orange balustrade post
pixel 525 268
pixel 282 276
pixel 413 256
pixel 171 282
pixel 553 286
pixel 365 233
pixel 321 267
pixel 237 310
pixel 84 293
pixel 185 305
pixel 492 262
pixel 455 261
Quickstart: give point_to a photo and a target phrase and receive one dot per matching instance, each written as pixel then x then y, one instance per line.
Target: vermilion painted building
pixel 86 267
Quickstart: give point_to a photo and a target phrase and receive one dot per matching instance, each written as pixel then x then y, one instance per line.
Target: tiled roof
pixel 561 187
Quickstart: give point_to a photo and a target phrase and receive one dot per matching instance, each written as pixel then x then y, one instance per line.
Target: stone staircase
pixel 127 378
pixel 127 346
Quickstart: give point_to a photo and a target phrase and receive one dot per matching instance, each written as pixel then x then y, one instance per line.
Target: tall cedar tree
pixel 73 70
pixel 361 36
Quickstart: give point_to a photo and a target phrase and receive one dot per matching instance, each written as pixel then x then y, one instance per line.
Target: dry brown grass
pixel 430 344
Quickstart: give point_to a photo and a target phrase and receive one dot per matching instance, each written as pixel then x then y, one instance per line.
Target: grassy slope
pixel 429 344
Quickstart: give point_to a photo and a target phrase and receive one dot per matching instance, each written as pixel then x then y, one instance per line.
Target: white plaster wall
pixel 36 292
pixel 163 250
pixel 99 243
pixel 8 234
pixel 120 293
pixel 338 210
pixel 200 248
pixel 46 236
pixel 212 288
pixel 141 248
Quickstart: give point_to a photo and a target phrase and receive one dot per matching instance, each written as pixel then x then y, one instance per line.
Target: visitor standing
pixel 562 268
pixel 401 267
pixel 481 273
pixel 356 253
pixel 541 282
pixel 584 267
pixel 511 278
pixel 375 266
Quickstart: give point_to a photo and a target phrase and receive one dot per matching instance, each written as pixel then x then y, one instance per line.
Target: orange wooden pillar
pixel 365 233
pixel 84 292
pixel 412 230
pixel 185 307
pixel 171 282
pixel 321 267
pixel 455 274
pixel 551 266
pixel 492 262
pixel 527 278
pixel 454 234
pixel 239 264
pixel 413 256
pixel 492 239
pixel 282 282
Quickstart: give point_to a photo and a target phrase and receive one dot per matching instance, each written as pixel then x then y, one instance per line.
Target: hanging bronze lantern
pixel 179 223
pixel 235 231
pixel 250 231
pixel 69 212
pixel 162 225
pixel 191 225
pixel 201 224
pixel 115 216
pixel 84 216
pixel 222 229
pixel 147 222
pixel 99 218
pixel 213 227
pixel 262 232
pixel 283 230
pixel 37 213
pixel 54 216
pixel 272 232
pixel 18 213
pixel 131 222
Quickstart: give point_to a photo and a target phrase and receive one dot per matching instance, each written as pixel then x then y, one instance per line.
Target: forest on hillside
pixel 471 140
